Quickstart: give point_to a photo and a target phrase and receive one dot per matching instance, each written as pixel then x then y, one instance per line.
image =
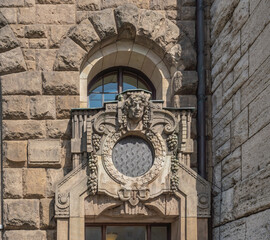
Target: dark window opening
pixel 106 85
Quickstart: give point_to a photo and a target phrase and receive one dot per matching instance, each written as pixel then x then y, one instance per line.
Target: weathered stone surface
pixel 61 83
pixel 221 138
pixel 42 107
pixel 46 153
pixel 188 13
pixel 7 39
pixel 59 129
pixel 231 162
pixel 69 56
pixel 3 20
pixel 255 24
pixel 87 5
pixel 15 107
pixel 12 61
pixel 231 180
pixel 21 213
pixel 51 234
pixel 47 213
pixel 216 209
pixel 223 123
pixel 240 14
pixel 252 194
pixel 55 1
pixel 259 112
pixel 85 35
pixel 55 14
pixel 23 129
pixel 34 182
pixel 25 235
pixel 234 230
pixel 188 54
pixel 239 131
pixel 255 152
pixel 258 226
pixel 26 83
pixel 35 31
pixel 57 34
pixel 104 23
pixel 45 59
pixel 26 15
pixel 15 151
pixel 10 15
pixel 12 3
pixel 223 151
pixel 66 154
pixel 64 104
pixel 53 177
pixel 222 113
pixel 217 100
pixel 227 206
pixel 236 101
pixel 12 183
pixel 217 179
pixel 38 43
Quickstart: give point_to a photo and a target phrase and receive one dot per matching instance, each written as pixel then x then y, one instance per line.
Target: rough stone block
pixel 231 180
pixel 12 3
pixel 255 24
pixel 61 83
pixel 12 61
pixel 7 39
pixel 59 129
pixel 188 13
pixel 258 226
pixel 35 31
pixel 221 138
pixel 26 15
pixel 255 152
pixel 234 230
pixel 259 50
pixel 104 23
pixel 51 235
pixel 231 162
pixel 26 83
pixel 86 5
pixel 222 152
pixel 53 178
pixel 42 107
pixel 236 100
pixel 12 183
pixel 66 154
pixel 10 15
pixel 25 235
pixel 15 152
pixel 259 112
pixel 23 129
pixel 45 59
pixel 15 107
pixel 34 182
pixel 3 20
pixel 227 206
pixel 47 213
pixel 69 56
pixel 57 34
pixel 55 14
pixel 216 209
pixel 252 194
pixel 217 100
pixel 240 14
pixel 64 104
pixel 222 113
pixel 223 123
pixel 38 43
pixel 217 178
pixel 85 35
pixel 46 153
pixel 21 213
pixel 239 131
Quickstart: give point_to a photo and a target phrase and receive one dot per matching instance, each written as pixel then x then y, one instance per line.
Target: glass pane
pixel 126 233
pixel 97 87
pixel 110 83
pixel 109 97
pixel 95 100
pixel 159 233
pixel 129 82
pixel 141 85
pixel 93 233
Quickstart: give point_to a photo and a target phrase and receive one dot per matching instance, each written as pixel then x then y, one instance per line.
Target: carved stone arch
pixel 11 55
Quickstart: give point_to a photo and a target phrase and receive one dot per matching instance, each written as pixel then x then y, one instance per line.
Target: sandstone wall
pixel 240 33
pixel 37 101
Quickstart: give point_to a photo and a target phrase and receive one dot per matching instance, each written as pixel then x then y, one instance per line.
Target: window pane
pixel 129 82
pixel 126 232
pixel 93 233
pixel 159 233
pixel 141 85
pixel 95 100
pixel 110 83
pixel 109 97
pixel 97 87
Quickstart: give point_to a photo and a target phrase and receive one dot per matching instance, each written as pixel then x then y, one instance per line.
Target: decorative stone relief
pixel 62 205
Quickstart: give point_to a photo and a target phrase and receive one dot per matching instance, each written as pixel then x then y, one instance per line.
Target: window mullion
pixel 120 80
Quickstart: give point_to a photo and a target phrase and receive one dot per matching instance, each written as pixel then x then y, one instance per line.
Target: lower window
pixel 128 232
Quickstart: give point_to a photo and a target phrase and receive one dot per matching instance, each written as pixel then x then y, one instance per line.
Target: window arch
pixel 107 84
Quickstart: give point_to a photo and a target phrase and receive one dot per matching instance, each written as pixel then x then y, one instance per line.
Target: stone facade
pixel 240 116
pixel 51 49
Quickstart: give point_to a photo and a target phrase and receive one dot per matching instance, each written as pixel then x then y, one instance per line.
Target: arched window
pixel 107 84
